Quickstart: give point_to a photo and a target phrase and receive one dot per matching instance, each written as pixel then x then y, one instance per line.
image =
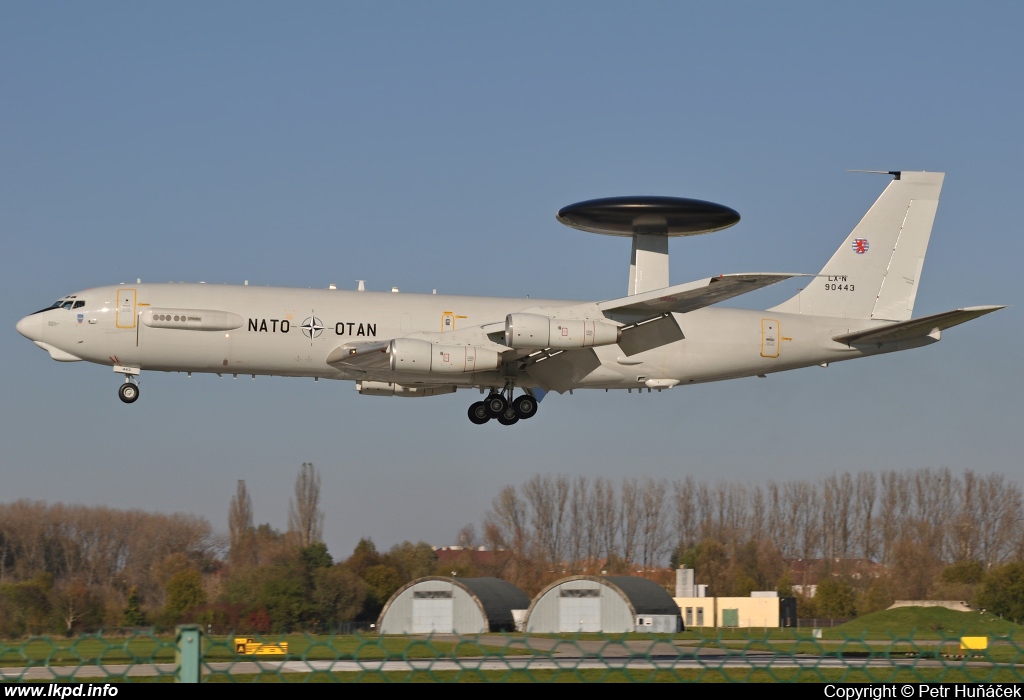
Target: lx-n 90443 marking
pixel 656 337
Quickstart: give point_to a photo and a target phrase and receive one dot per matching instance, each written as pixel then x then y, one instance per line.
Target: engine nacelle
pixel 535 332
pixel 422 356
pixel 392 389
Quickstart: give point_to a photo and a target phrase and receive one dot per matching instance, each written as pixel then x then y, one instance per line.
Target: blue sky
pixel 429 146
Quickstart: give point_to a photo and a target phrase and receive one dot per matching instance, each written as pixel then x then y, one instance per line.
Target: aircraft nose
pixel 31 327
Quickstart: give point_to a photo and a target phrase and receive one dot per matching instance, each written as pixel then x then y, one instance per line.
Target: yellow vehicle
pixel 250 647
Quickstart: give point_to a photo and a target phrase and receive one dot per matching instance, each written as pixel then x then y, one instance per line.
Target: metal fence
pixel 821 622
pixel 776 656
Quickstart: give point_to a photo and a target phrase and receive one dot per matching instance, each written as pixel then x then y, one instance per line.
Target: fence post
pixel 188 654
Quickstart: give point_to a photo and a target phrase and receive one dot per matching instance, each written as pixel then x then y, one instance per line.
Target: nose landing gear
pixel 129 391
pixel 501 406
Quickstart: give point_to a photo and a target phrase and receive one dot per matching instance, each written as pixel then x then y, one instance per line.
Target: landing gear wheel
pixel 128 392
pixel 478 414
pixel 495 404
pixel 525 406
pixel 508 416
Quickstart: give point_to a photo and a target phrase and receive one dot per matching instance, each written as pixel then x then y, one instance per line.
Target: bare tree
pixel 686 515
pixel 893 504
pixel 547 497
pixel 653 533
pixel 606 517
pixel 1000 502
pixel 305 518
pixel 964 529
pixel 864 507
pixel 593 537
pixel 506 526
pixel 803 519
pixel 94 555
pixel 578 534
pixel 758 514
pixel 776 516
pixel 829 491
pixel 561 499
pixel 705 512
pixel 240 527
pixel 630 514
pixel 467 536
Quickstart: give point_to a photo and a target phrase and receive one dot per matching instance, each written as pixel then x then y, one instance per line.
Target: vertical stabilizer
pixel 875 273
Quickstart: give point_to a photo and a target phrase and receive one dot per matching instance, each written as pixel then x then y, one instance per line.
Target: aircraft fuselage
pixel 290 332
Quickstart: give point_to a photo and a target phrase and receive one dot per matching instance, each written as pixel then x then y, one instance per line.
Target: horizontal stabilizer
pixel 915 328
pixel 688 297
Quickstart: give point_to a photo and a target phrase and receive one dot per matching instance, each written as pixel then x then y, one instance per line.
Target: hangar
pixel 603 604
pixel 452 605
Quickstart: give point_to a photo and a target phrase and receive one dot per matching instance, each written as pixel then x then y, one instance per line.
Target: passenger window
pixel 79 304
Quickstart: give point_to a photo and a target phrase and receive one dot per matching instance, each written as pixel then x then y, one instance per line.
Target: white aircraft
pixel 655 338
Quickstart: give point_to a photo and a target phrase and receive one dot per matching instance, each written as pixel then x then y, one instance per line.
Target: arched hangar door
pixel 432 611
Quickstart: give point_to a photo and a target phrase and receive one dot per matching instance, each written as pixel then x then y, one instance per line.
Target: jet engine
pixel 535 332
pixel 422 356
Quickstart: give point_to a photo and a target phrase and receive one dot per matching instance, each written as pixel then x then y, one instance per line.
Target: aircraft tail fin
pixel 875 273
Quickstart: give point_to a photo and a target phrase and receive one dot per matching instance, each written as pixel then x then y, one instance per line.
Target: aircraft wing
pixel 915 328
pixel 691 296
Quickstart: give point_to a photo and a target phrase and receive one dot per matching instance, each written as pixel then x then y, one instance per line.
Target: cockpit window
pixel 59 304
pixel 79 304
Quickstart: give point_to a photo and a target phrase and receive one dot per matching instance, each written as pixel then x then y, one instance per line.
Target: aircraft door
pixel 125 308
pixel 447 321
pixel 769 338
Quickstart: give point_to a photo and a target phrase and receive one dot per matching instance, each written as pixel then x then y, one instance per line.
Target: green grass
pixel 916 629
pixel 728 675
pixel 949 651
pixel 787 675
pixel 599 637
pixel 615 675
pixel 925 623
pixel 144 648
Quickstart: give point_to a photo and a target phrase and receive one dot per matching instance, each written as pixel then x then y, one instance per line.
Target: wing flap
pixel 914 328
pixel 562 370
pixel 648 335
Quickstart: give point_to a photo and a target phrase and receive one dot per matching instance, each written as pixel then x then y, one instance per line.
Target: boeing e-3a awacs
pixel 655 338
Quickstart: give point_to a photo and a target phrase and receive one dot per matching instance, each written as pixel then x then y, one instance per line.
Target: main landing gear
pixel 501 406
